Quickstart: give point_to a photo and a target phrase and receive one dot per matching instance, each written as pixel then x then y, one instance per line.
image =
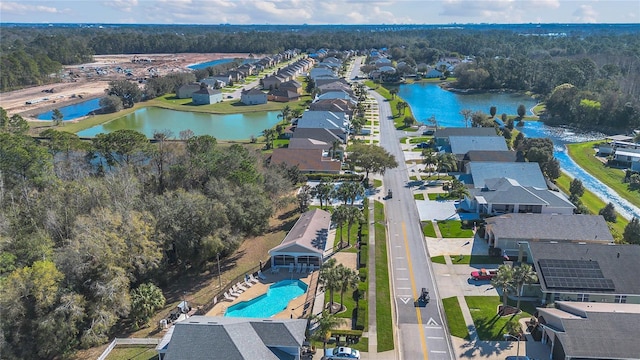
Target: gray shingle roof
pixel 492 156
pixel 551 227
pixel 206 337
pixel 617 262
pixel 309 233
pixel 461 145
pixel 509 191
pixel 525 173
pixel 602 336
pixel 325 135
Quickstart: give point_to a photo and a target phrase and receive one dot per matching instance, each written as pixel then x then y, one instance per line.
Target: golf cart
pixel 423 299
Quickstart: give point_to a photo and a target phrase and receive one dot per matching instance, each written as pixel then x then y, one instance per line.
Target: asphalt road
pixel 421 333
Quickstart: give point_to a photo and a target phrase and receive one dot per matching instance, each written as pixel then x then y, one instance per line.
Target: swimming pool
pixel 274 301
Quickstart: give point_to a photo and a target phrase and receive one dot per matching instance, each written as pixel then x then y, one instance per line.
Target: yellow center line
pixel 414 292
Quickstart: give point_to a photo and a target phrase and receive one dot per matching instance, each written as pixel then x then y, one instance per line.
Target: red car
pixel 483 274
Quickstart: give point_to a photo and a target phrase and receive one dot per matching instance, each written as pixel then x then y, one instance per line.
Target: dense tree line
pixel 88 228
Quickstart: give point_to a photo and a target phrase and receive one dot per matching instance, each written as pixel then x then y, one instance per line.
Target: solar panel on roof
pixel 574 274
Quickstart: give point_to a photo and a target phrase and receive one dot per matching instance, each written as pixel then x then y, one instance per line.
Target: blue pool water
pixel 75 111
pixel 274 301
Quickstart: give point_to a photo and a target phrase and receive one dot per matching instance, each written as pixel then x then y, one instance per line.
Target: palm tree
pixel 523 275
pixel 393 93
pixel 457 189
pixel 343 192
pixel 503 280
pixel 285 114
pixel 325 323
pixel 339 216
pixel 354 216
pixel 269 136
pixel 445 161
pixel 335 145
pixel 323 191
pixel 328 277
pixel 347 279
pixel 429 159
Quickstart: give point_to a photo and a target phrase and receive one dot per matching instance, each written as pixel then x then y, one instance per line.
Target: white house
pixel 206 96
pixel 253 97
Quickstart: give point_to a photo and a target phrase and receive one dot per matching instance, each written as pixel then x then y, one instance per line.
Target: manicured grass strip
pixel 438 259
pixel 441 196
pixel 584 155
pixel 393 101
pixel 377 183
pixel 420 139
pixel 594 204
pixel 475 259
pixel 428 230
pixel 484 311
pixel 418 196
pixel 133 353
pixel 384 321
pixel 455 320
pixel 453 229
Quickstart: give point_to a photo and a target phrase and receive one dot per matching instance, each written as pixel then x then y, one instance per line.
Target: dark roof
pixel 307 160
pixel 321 134
pixel 463 144
pixel 604 335
pixel 472 131
pixel 208 91
pixel 306 143
pixel 551 227
pixel 284 93
pixel 200 337
pixel 253 91
pixel 493 156
pixel 308 235
pixel 619 263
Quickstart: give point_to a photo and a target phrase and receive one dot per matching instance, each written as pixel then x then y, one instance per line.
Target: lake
pixel 427 99
pixel 222 127
pixel 430 99
pixel 207 64
pixel 75 111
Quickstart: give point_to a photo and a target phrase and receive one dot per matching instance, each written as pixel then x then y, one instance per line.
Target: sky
pixel 320 12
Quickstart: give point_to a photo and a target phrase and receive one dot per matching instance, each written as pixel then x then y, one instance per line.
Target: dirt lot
pixel 86 81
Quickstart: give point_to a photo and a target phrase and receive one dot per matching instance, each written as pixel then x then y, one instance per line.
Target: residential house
pixel 382 62
pixel 206 96
pixel 305 242
pixel 577 331
pixel 491 156
pixel 185 91
pixel 335 86
pixel 207 337
pixel 441 136
pixel 324 80
pixel 335 149
pixel 326 135
pixel 253 97
pixel 325 120
pixel 627 157
pixel 525 173
pixel 504 195
pixel 316 72
pixel 236 76
pixel 291 85
pixel 272 82
pixel 335 105
pixel 461 145
pixel 508 232
pixel 218 81
pixel 281 95
pixel 307 160
pixel 585 272
pixel 336 95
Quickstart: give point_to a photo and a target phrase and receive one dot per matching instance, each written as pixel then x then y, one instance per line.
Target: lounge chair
pixel 253 279
pixel 229 297
pixel 274 269
pixel 291 268
pixel 215 300
pixel 299 269
pixel 304 268
pixel 311 268
pixel 261 275
pixel 239 286
pixel 247 283
pixel 236 290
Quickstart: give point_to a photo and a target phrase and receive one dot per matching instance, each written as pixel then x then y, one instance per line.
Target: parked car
pixel 341 353
pixel 422 145
pixel 483 274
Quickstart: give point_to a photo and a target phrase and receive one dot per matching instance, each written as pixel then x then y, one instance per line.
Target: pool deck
pixel 295 307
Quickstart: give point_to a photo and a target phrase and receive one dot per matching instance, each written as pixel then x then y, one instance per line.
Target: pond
pixel 207 64
pixel 222 127
pixel 427 99
pixel 75 111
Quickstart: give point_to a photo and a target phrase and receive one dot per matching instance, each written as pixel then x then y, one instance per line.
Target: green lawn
pixel 428 230
pixel 453 229
pixel 420 139
pixel 583 154
pixel 594 204
pixel 418 196
pixel 377 183
pixel 393 101
pixel 484 311
pixel 455 320
pixel 438 259
pixel 441 196
pixel 384 320
pixel 133 353
pixel 475 259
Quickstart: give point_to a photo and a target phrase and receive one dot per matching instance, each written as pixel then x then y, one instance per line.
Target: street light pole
pixel 505 336
pixel 219 277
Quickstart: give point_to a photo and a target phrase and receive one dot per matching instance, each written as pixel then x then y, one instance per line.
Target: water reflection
pixel 560 137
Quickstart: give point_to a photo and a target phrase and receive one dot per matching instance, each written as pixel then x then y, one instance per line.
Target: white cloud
pixel 478 9
pixel 122 5
pixel 585 14
pixel 17 8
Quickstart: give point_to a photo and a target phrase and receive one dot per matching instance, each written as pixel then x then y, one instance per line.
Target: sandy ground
pixel 86 81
